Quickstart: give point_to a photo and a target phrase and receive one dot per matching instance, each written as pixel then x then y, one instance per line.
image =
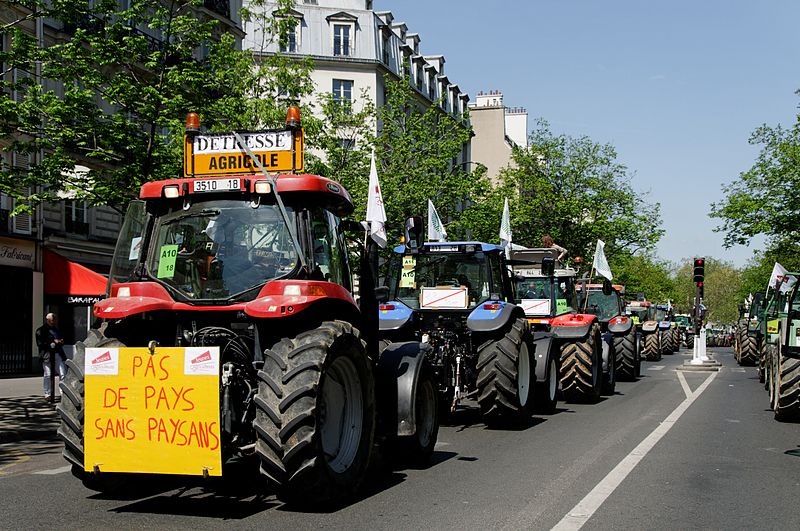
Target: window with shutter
pixel 22 223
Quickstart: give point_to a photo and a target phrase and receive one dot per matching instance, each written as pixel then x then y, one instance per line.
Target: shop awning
pixel 66 278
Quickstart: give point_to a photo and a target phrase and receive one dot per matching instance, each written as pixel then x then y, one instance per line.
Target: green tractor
pixel 685 327
pixel 783 358
pixel 749 338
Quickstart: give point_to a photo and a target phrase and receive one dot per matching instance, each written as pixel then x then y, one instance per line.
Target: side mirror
pixel 607 288
pixel 382 294
pixel 413 232
pixel 548 266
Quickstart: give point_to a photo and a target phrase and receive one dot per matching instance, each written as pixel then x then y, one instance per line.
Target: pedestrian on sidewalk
pixel 51 348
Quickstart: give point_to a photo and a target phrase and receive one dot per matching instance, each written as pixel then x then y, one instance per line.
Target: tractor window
pixel 328 249
pixel 409 274
pixel 217 249
pixel 566 299
pixel 129 244
pixel 533 288
pixel 497 276
pixel 604 306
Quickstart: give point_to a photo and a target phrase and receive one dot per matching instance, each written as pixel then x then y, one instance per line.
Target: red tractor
pixel 256 265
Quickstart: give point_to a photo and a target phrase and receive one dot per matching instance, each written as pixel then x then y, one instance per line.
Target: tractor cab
pixel 545 287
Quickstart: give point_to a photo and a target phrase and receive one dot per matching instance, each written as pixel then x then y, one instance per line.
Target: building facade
pixel 497 130
pixel 64 238
pixel 353 47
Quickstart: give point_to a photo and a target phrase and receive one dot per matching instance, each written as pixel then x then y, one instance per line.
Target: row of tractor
pixel 232 331
pixel 766 336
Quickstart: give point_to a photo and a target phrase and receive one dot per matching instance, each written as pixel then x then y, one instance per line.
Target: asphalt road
pixel 660 454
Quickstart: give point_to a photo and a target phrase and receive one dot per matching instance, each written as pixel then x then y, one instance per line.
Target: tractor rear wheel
pixel 71 412
pixel 666 342
pixel 582 368
pixel 651 349
pixel 689 339
pixel 506 374
pixel 625 349
pixel 676 339
pixel 748 354
pixel 546 397
pixel 787 386
pixel 315 414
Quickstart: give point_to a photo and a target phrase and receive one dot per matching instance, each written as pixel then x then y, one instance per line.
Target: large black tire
pixel 762 361
pixel 582 368
pixel 676 339
pixel 546 392
pixel 506 374
pixel 312 386
pixel 787 387
pixel 625 350
pixel 417 449
pixel 665 341
pixel 748 355
pixel 71 412
pixel 651 351
pixel 690 338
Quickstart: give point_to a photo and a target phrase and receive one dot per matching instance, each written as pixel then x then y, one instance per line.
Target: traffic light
pixel 699 270
pixel 700 288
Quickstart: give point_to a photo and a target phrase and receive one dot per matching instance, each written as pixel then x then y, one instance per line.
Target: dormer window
pixel 343 32
pixel 341 39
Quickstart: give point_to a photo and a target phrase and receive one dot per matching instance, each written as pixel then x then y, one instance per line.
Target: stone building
pixel 497 129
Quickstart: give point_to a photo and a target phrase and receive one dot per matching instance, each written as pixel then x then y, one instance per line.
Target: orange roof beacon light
pixel 192 123
pixel 293 117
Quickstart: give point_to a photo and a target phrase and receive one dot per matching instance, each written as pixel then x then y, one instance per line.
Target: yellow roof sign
pixel 278 150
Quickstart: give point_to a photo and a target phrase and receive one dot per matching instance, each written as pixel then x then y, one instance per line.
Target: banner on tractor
pixel 153 413
pixel 279 150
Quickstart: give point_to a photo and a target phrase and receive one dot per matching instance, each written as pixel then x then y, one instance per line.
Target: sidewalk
pixel 24 414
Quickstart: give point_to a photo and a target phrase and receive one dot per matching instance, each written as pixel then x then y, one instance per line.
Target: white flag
pixel 778 272
pixel 505 226
pixel 376 214
pixel 436 231
pixel 600 263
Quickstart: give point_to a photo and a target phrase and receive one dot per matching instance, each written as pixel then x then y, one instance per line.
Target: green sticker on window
pixel 166 262
pixel 561 306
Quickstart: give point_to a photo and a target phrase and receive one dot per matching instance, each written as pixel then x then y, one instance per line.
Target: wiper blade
pixel 206 212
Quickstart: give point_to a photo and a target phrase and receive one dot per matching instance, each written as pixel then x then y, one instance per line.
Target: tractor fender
pixel 493 315
pixel 397 373
pixel 572 326
pixel 620 326
pixel 544 344
pixel 393 315
pixel 649 326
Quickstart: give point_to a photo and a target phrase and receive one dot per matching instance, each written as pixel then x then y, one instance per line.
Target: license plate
pixel 216 185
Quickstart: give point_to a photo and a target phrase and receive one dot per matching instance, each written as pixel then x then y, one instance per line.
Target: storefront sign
pixel 153 412
pixel 17 253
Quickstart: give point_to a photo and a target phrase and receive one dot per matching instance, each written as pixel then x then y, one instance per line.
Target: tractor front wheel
pixel 315 414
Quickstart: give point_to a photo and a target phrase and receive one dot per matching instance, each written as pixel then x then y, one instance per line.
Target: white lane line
pixel 739 370
pixel 584 510
pixel 656 367
pixel 686 389
pixel 54 471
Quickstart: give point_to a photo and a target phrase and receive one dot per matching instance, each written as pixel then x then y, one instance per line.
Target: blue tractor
pixel 458 298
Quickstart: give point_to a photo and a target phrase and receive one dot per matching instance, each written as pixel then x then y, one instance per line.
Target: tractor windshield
pixel 682 320
pixel 409 274
pixel 661 314
pixel 602 305
pixel 218 249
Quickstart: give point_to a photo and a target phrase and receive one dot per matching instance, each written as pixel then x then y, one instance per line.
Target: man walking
pixel 51 348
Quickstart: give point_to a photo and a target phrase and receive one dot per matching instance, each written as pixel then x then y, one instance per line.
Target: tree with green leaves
pixel 644 273
pixel 113 95
pixel 575 190
pixel 721 289
pixel 765 200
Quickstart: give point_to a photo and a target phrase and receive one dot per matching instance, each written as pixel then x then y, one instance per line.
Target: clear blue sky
pixel 677 87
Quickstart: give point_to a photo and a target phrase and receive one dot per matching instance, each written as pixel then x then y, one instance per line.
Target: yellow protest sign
pixel 217 154
pixel 154 413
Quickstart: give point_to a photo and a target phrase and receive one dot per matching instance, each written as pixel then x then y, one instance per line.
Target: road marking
pixel 580 514
pixel 656 367
pixel 686 389
pixel 54 471
pixel 739 370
